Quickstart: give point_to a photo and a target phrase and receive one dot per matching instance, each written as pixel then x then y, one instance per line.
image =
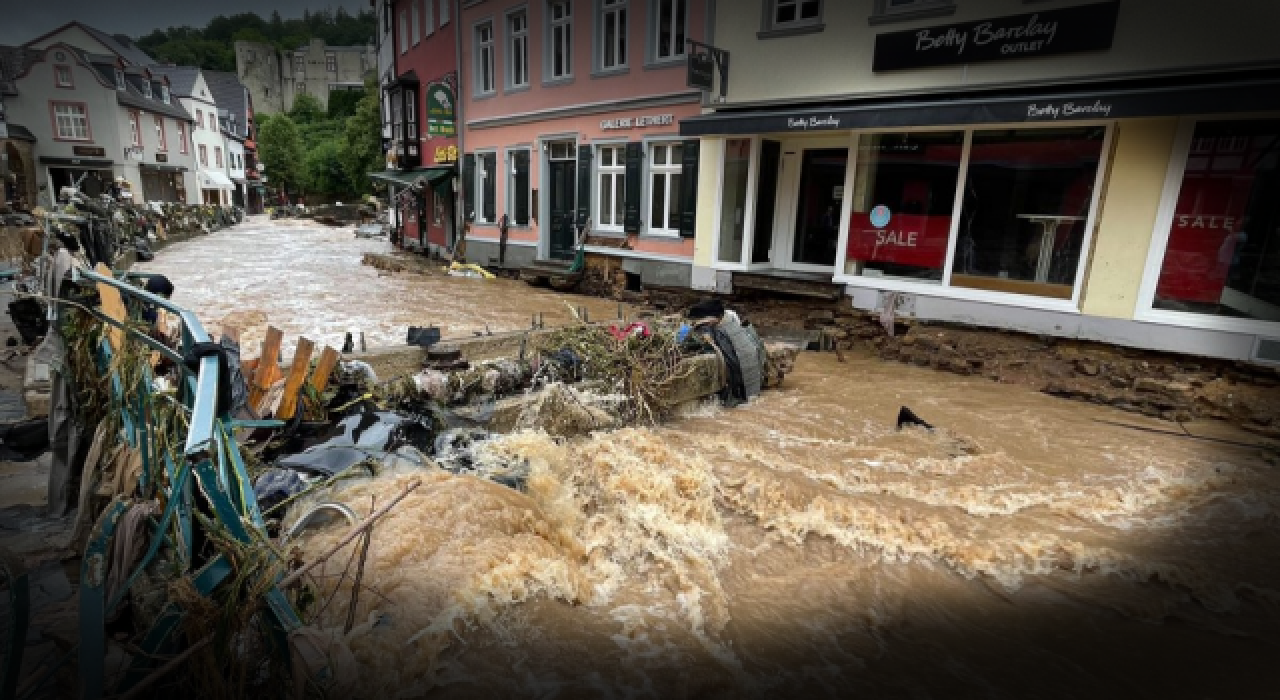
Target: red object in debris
pixel 639 328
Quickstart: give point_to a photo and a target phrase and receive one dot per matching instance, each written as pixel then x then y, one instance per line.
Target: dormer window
pixel 146 89
pixel 119 79
pixel 164 93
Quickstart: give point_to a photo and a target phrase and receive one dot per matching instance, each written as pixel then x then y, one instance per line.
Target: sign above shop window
pixel 637 122
pixel 1052 32
pixel 162 158
pixel 89 151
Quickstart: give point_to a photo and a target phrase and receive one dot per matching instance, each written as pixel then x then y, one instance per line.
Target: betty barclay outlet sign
pixel 1068 30
pixel 637 122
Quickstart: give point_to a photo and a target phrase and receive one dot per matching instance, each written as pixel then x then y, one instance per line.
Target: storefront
pixel 92 175
pixel 215 187
pixel 979 204
pixel 423 199
pixel 163 183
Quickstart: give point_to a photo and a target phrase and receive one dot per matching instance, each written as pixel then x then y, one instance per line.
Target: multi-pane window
pixel 199 119
pixel 217 156
pixel 62 76
pixel 300 63
pixel 164 93
pixel 486 175
pixel 182 137
pixel 670 35
pixel 560 44
pixel 611 199
pixel 331 62
pixel 404 31
pixel 518 50
pixel 119 79
pixel 790 13
pixel 429 15
pixel 162 143
pixel 613 33
pixel 146 89
pixel 664 188
pixel 414 22
pixel 71 121
pixel 204 155
pixel 484 58
pixel 518 187
pixel 135 129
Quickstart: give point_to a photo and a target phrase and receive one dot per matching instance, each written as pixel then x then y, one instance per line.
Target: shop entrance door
pixel 818 205
pixel 561 189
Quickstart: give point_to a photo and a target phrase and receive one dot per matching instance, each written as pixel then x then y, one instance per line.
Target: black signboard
pixel 98 151
pixel 1068 30
pixel 701 71
pixel 162 158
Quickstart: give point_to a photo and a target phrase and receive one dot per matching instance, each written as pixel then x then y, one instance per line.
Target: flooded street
pixel 799 545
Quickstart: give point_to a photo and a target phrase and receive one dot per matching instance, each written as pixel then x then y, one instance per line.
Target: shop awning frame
pixel 214 180
pixel 1239 92
pixel 435 176
pixel 163 168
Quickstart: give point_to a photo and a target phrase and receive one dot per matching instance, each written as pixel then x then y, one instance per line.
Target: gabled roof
pixel 228 92
pixel 182 79
pixel 118 44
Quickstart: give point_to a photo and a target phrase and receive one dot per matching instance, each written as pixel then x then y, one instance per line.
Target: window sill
pixel 515 90
pixel 610 72
pixel 664 64
pixel 912 15
pixel 784 32
pixel 483 96
pixel 609 233
pixel 660 236
pixel 557 82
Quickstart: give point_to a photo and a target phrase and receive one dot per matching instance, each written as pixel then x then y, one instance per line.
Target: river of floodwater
pixel 797 546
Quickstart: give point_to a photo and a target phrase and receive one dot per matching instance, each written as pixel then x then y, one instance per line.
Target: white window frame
pixel 562 26
pixel 204 155
pixel 135 128
pixel 615 172
pixel 75 120
pixel 162 143
pixel 615 12
pixel 164 94
pixel 479 185
pixel 1145 309
pixel 58 72
pixel 217 156
pixel 404 32
pixel 330 62
pixel 655 31
pixel 429 16
pixel 183 146
pixel 486 79
pixel 415 23
pixel 517 46
pixel 146 89
pixel 671 194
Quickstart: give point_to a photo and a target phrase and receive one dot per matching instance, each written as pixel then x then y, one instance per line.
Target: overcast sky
pixel 23 20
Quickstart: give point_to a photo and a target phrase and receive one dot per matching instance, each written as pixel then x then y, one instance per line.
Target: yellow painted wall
pixel 711 154
pixel 1128 216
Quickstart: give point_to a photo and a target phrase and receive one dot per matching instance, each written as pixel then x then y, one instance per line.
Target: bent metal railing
pixel 212 459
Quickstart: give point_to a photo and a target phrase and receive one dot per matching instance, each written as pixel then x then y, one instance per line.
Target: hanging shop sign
pixel 446 154
pixel 89 151
pixel 637 122
pixel 1052 32
pixel 440 114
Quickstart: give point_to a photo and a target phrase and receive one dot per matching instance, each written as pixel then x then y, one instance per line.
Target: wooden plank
pixel 113 307
pixel 324 367
pixel 816 289
pixel 996 284
pixel 267 369
pixel 297 375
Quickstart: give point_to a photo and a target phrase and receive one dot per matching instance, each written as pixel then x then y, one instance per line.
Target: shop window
pixel 1223 251
pixel 1026 204
pixel 71 121
pixel 671 19
pixel 611 192
pixel 665 161
pixel 484 58
pixel 903 201
pixel 559 39
pixel 791 16
pixel 733 204
pixel 518 49
pixel 518 188
pixel 611 35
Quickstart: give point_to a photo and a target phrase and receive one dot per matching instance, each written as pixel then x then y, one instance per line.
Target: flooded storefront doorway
pixel 561 188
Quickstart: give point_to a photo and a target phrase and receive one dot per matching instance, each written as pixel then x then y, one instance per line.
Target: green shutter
pixel 469 186
pixel 689 188
pixel 490 186
pixel 584 184
pixel 635 174
pixel 521 193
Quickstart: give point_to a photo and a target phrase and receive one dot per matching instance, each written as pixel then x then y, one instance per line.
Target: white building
pixel 209 183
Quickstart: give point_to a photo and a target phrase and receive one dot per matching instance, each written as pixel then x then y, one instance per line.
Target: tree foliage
pixel 212 47
pixel 342 103
pixel 306 109
pixel 362 140
pixel 280 151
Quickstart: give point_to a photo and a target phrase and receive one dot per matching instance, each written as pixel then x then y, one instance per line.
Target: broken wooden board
pixel 113 307
pixel 297 375
pixel 266 370
pixel 324 369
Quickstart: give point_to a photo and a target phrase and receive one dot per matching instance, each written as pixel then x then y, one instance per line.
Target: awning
pixel 436 176
pixel 1237 92
pixel 214 180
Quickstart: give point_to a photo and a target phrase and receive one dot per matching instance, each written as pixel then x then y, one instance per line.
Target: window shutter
pixel 490 186
pixel 522 187
pixel 584 184
pixel 689 188
pixel 469 185
pixel 635 175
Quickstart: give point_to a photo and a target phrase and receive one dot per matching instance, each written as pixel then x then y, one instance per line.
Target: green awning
pixel 437 177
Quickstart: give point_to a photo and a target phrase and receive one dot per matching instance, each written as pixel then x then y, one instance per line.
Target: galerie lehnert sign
pixel 1069 30
pixel 637 122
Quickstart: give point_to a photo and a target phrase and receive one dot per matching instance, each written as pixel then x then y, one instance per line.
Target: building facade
pixel 275 78
pixel 209 178
pixel 235 119
pixel 96 119
pixel 571 115
pixel 1100 170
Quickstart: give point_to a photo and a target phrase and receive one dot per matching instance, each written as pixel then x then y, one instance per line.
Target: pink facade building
pixel 570 113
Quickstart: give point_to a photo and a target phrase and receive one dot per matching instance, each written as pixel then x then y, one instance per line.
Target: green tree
pixel 362 141
pixel 342 103
pixel 280 150
pixel 324 171
pixel 306 109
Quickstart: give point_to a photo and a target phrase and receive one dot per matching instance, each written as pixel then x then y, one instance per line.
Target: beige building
pixel 275 78
pixel 1098 170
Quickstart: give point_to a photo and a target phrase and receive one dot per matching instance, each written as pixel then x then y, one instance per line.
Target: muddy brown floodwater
pixel 308 280
pixel 802 546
